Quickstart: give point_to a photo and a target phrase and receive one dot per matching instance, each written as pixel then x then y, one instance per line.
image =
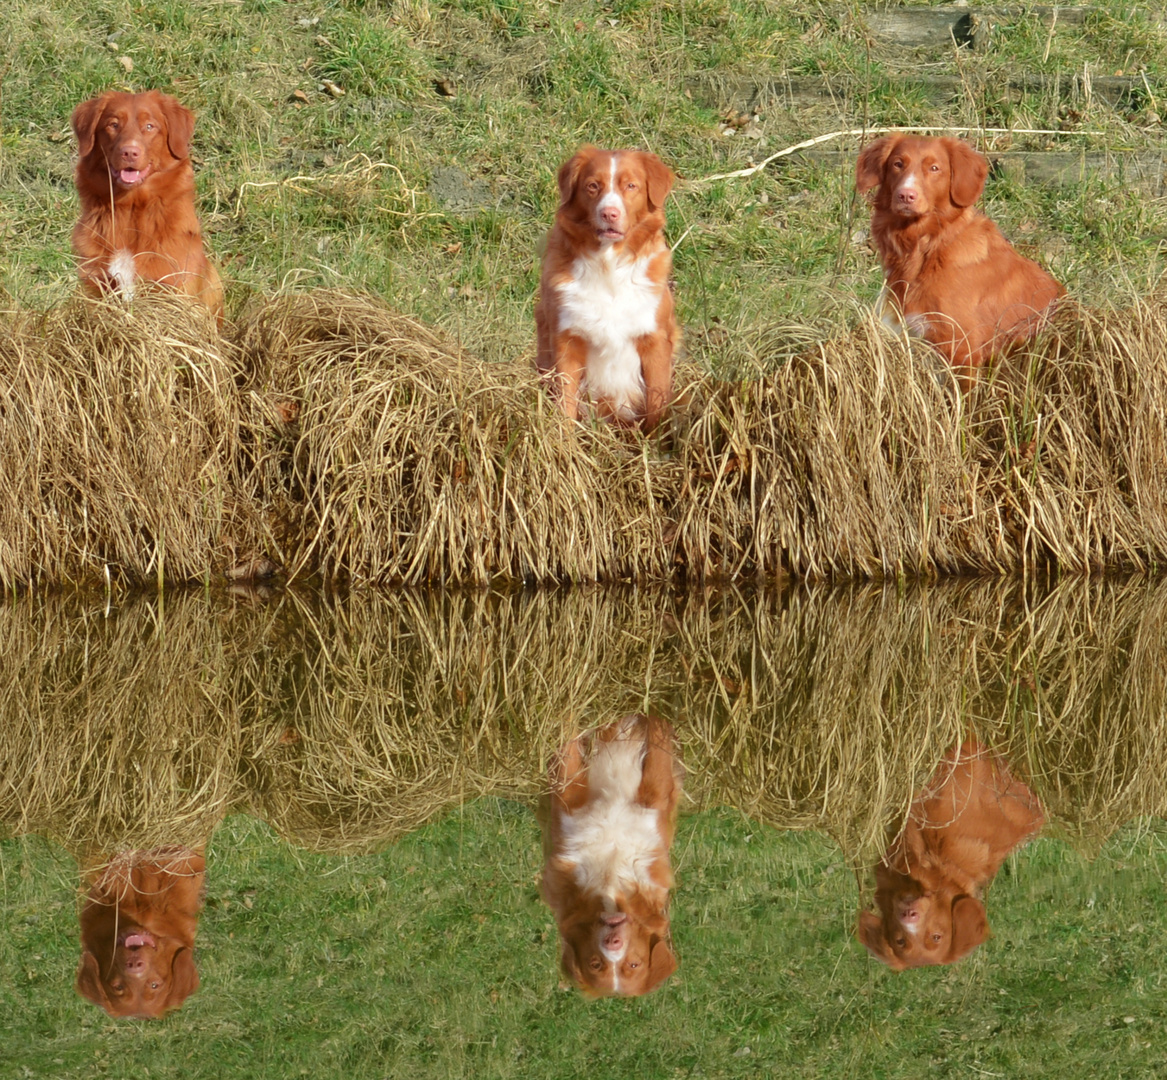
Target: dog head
pixel 919 927
pixel 132 138
pixel 616 953
pixel 918 176
pixel 138 926
pixel 130 971
pixel 610 195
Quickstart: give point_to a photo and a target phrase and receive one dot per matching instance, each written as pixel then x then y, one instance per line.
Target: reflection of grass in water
pixel 435 958
pixel 346 723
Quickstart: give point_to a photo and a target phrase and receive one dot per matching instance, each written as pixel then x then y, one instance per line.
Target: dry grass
pixel 345 441
pixel 347 724
pixel 119 438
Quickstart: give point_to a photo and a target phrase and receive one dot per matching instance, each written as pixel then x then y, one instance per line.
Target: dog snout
pixel 610 215
pixel 131 154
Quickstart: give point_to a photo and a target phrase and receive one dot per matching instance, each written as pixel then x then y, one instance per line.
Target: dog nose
pixel 610 214
pixel 131 154
pixel 907 195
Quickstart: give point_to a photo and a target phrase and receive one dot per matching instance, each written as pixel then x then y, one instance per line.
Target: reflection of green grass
pixel 436 959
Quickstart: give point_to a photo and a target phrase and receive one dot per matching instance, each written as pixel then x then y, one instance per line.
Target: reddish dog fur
pixel 136 184
pixel 960 828
pixel 138 926
pixel 606 873
pixel 949 274
pixel 605 322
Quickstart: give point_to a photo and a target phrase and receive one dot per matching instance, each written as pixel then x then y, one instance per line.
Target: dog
pixel 136 186
pixel 929 886
pixel 605 319
pixel 606 875
pixel 138 925
pixel 950 277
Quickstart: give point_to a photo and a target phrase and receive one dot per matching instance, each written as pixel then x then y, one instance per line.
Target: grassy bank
pixel 428 183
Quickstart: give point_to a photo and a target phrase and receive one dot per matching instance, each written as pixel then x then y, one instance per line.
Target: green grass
pixel 532 80
pixel 436 958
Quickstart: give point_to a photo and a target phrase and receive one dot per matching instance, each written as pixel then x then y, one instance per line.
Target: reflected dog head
pixel 138 925
pixel 918 926
pixel 617 952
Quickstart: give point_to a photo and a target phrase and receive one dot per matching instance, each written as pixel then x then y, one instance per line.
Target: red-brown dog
pixel 928 887
pixel 606 875
pixel 950 277
pixel 136 184
pixel 604 318
pixel 138 927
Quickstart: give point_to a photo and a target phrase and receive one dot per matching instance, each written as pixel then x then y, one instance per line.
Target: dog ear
pixel 869 930
pixel 660 179
pixel 969 170
pixel 661 964
pixel 88 982
pixel 869 167
pixel 184 979
pixel 569 173
pixel 85 119
pixel 970 927
pixel 180 122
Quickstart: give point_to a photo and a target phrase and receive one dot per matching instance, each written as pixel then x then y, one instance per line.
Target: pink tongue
pixel 131 176
pixel 135 940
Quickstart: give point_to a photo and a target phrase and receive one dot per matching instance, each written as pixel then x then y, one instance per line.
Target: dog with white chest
pixel 605 320
pixel 611 816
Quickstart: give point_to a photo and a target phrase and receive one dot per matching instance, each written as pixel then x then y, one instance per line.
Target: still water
pixel 406 834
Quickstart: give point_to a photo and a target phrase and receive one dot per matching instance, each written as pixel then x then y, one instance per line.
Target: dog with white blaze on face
pixel 605 322
pixel 610 819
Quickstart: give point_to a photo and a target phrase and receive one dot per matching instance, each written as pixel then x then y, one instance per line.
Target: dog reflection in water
pixel 609 823
pixel 138 924
pixel 929 886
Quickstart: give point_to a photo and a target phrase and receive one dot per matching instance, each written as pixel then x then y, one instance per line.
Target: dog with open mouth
pixel 138 925
pixel 136 185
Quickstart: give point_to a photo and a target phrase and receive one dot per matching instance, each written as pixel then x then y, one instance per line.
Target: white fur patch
pixel 613 841
pixel 890 317
pixel 611 301
pixel 121 269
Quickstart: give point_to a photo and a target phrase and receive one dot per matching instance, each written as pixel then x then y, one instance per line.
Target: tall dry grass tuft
pixel 857 460
pixel 119 437
pixel 410 461
pixel 345 441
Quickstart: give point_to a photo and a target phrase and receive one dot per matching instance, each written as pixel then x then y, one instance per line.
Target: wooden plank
pixel 846 93
pixel 939 27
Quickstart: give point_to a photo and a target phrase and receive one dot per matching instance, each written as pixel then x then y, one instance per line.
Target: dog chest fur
pixel 613 841
pixel 611 302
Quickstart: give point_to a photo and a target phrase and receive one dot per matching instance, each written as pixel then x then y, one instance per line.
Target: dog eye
pixel 149 126
pixel 897 164
pixel 935 168
pixel 937 937
pixel 593 187
pixel 631 186
pixel 595 963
